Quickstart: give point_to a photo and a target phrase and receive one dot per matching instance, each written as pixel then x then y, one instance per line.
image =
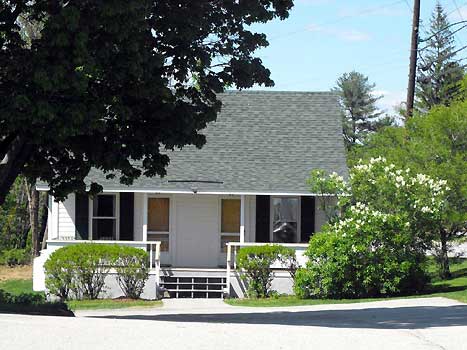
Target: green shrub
pixel 288 259
pixel 366 254
pixel 31 303
pixel 60 272
pixel 256 261
pixel 81 269
pixel 23 298
pixel 14 257
pixel 132 270
pixel 93 263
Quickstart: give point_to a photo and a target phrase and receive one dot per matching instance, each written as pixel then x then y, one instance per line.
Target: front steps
pixel 194 287
pixel 193 283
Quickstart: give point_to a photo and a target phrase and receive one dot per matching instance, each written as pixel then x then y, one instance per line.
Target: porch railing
pixel 152 247
pixel 233 247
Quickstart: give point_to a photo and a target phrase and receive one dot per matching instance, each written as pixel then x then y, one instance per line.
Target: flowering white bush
pixel 417 198
pixel 381 186
pixel 377 245
pixel 366 254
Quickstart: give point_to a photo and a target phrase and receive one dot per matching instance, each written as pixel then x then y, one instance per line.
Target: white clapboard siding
pixel 66 218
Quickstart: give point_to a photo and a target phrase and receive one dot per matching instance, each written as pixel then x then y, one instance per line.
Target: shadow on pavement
pixel 417 317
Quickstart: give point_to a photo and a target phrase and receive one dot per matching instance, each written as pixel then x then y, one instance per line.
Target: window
pixel 159 221
pixel 104 217
pixel 230 222
pixel 285 219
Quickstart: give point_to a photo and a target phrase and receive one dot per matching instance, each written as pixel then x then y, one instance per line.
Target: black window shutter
pixel 262 219
pixel 307 218
pixel 126 216
pixel 81 216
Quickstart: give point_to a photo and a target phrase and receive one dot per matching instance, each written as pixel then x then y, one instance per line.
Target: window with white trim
pixel 230 221
pixel 104 217
pixel 285 219
pixel 159 221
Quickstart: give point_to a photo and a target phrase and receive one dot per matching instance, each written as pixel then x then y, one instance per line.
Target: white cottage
pixel 246 186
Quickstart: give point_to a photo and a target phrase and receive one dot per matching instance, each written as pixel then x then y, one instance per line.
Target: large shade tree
pixel 113 84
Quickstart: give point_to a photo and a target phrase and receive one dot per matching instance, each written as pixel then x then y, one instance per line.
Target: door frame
pixel 215 255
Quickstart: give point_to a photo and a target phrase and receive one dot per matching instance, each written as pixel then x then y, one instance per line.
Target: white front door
pixel 197 236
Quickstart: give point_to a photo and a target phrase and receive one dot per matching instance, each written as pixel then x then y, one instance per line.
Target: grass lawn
pixel 24 286
pixel 454 288
pixel 111 304
pixel 18 286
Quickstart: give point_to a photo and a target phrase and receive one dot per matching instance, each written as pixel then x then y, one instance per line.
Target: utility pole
pixel 413 58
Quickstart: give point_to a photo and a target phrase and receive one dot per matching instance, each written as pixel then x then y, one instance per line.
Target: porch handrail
pixel 237 245
pixel 138 244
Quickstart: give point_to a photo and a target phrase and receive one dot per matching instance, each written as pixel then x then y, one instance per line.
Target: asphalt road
pixel 434 323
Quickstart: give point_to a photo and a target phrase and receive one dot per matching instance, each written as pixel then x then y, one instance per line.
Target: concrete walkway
pixel 432 323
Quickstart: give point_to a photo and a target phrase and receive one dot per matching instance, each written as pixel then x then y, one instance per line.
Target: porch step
pixel 194 287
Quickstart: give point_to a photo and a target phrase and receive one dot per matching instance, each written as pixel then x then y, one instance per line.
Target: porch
pixel 186 235
pixel 178 282
pixel 193 229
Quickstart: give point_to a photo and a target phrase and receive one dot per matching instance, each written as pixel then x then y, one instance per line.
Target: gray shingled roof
pixel 261 142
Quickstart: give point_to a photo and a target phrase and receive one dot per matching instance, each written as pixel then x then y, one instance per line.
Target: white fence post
pixel 158 266
pixel 229 252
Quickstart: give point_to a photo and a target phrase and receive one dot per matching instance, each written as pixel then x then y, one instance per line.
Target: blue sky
pixel 322 39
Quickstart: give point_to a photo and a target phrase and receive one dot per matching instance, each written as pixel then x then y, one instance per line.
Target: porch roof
pixel 262 142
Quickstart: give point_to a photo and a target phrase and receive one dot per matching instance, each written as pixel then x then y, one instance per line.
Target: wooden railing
pixel 233 247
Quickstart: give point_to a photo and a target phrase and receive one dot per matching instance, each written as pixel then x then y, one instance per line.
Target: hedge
pixel 79 270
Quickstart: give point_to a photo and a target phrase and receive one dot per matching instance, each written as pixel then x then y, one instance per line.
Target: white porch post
pixel 54 227
pixel 145 217
pixel 242 218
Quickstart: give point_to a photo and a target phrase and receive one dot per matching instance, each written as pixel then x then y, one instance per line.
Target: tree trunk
pixel 43 214
pixel 18 152
pixel 33 208
pixel 22 216
pixel 443 258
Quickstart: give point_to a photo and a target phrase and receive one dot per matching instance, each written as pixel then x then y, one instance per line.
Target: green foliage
pixel 358 102
pixel 455 288
pixel 22 298
pixel 440 72
pixel 80 269
pixel 367 254
pixel 434 144
pixel 378 245
pixel 327 188
pixel 256 263
pixel 416 198
pixel 100 84
pixel 31 303
pixel 92 263
pixel 132 270
pixel 101 304
pixel 60 273
pixel 14 217
pixel 13 257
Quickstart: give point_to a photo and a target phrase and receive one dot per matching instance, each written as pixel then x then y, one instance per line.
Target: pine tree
pixel 358 101
pixel 439 73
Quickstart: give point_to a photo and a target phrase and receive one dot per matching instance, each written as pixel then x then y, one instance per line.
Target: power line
pixel 445 28
pixel 341 18
pixel 456 8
